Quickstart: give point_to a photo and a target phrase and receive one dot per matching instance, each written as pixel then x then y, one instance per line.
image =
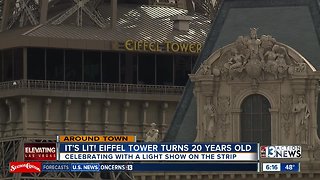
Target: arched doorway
pixel 256 120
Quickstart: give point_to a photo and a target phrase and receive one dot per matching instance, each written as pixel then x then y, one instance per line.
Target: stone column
pixel 126 105
pixel 24 115
pixel 106 122
pixel 145 107
pixel 145 125
pixel 198 129
pixel 205 87
pixel 164 126
pixel 299 85
pixel 48 101
pixel 275 127
pixel 203 117
pixel 25 63
pixel 236 124
pixel 66 120
pixel 86 115
pixel 313 99
pixel 9 125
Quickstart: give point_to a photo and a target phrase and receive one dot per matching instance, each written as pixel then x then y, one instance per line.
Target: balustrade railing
pixel 91 87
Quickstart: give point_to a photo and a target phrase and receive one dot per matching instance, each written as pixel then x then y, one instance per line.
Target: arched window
pixel 256 120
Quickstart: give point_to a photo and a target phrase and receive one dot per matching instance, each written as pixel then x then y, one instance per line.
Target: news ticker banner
pixel 38 167
pixel 153 151
pixel 157 152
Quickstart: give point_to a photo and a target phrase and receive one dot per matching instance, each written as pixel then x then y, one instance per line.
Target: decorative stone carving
pixel 253 65
pixel 267 42
pixel 275 62
pixel 301 68
pixel 235 64
pixel 153 134
pixel 255 58
pixel 302 114
pixel 223 110
pixel 209 124
pixel 253 42
pixel 316 152
pixel 286 112
pixel 205 68
pixel 254 85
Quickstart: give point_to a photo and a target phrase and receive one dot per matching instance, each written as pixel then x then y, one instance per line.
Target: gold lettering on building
pixel 167 46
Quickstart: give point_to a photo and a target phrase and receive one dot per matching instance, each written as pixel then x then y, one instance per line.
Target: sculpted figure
pixel 271 65
pixel 282 65
pixel 241 46
pixel 276 62
pixel 209 123
pixel 253 43
pixel 241 42
pixel 153 134
pixel 272 55
pixel 267 42
pixel 281 60
pixel 254 65
pixel 302 114
pixel 237 61
pixel 222 114
pixel 206 69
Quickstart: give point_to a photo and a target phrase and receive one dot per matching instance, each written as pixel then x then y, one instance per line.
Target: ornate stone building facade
pixel 257 89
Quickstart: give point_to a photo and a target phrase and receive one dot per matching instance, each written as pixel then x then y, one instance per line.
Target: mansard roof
pixel 146 22
pixel 292 22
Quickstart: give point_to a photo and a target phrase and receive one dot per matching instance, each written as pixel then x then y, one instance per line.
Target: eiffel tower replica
pixel 18 14
pixel 40 107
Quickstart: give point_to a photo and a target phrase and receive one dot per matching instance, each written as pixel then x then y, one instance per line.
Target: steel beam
pixel 43 11
pixel 80 7
pixel 114 10
pixel 7 10
pixel 24 10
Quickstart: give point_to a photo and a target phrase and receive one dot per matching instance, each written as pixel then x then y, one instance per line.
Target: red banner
pixel 40 151
pixel 25 167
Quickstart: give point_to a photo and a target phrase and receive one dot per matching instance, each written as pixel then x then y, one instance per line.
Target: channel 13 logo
pixel 280 152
